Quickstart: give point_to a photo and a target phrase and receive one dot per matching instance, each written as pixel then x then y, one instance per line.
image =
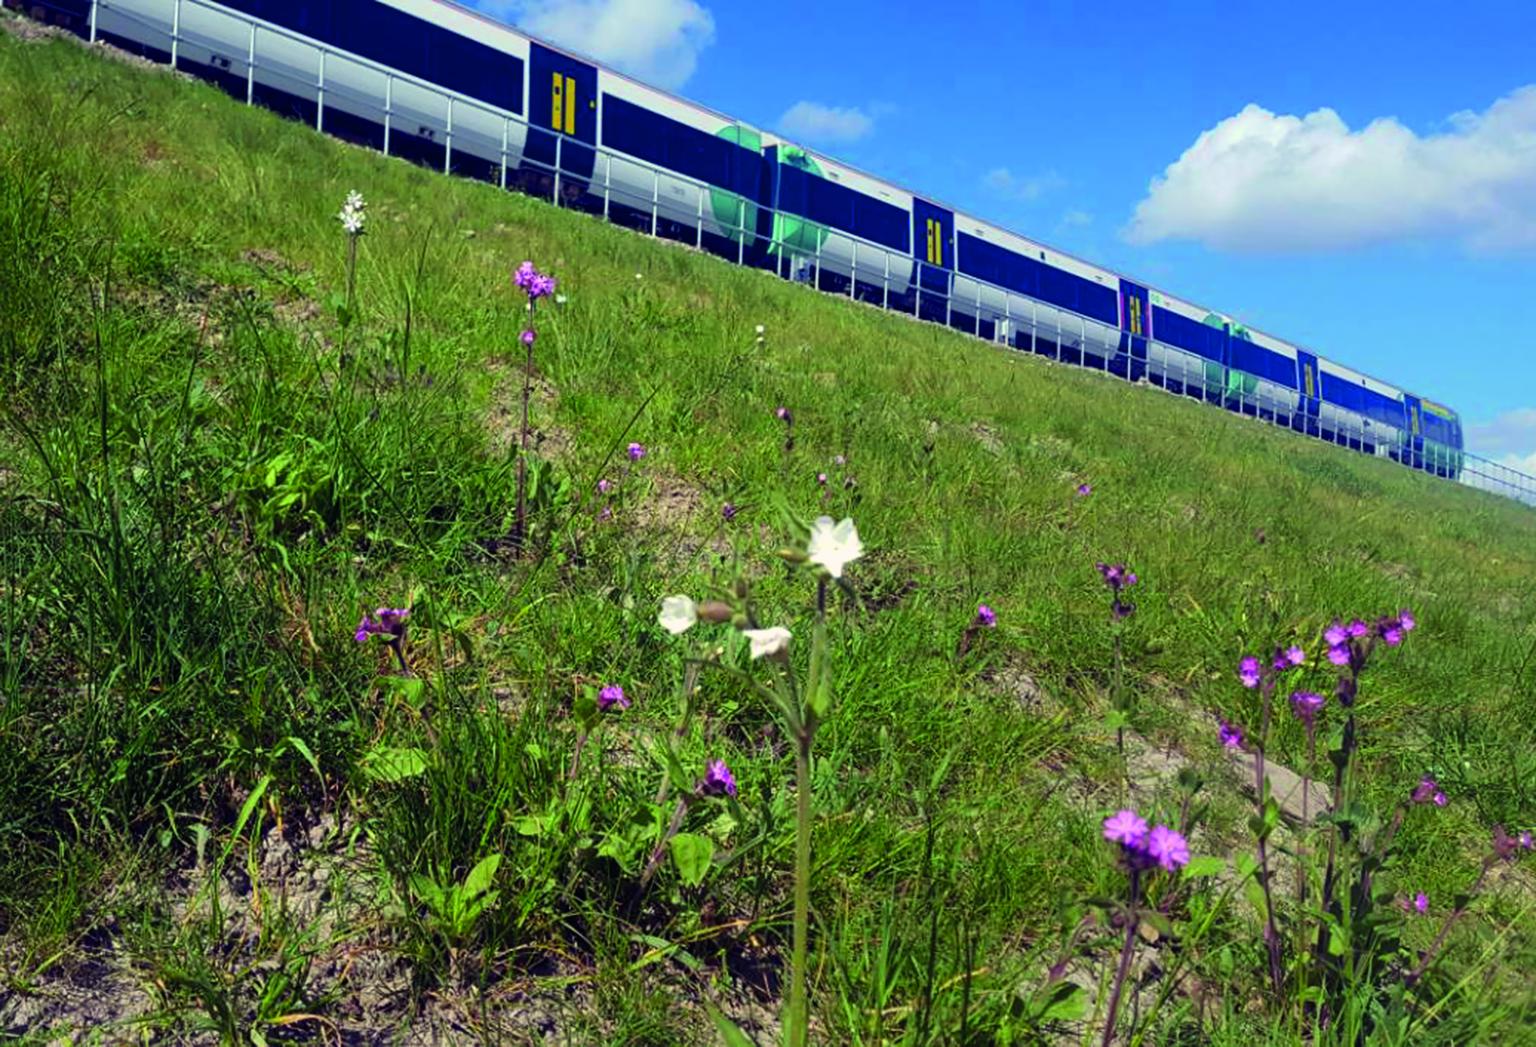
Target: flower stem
pixel 520 524
pixel 1126 952
pixel 1450 921
pixel 799 1019
pixel 666 838
pixel 1271 935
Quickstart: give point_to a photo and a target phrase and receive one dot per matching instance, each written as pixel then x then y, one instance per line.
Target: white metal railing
pixel 1069 332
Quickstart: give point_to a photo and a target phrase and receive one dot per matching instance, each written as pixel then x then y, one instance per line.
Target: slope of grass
pixel 207 477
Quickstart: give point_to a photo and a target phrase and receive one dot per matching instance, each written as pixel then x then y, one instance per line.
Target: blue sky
pixel 1353 177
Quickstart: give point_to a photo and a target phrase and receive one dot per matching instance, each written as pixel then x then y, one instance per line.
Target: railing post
pixel 175 30
pixel 607 184
pixel 853 272
pixel 448 138
pixel 506 131
pixel 655 199
pixel 741 231
pixel 94 4
pixel 698 230
pixel 559 163
pixel 250 69
pixel 320 95
pixel 389 107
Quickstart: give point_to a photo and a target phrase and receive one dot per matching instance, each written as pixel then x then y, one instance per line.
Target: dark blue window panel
pixel 1438 429
pixel 842 208
pixel 1260 362
pixel 664 142
pixel 1081 296
pixel 998 265
pixel 402 41
pixel 1343 393
pixel 1190 335
pixel 1381 408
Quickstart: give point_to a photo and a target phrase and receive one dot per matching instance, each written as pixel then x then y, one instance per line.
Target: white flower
pixel 759 328
pixel 767 641
pixel 355 201
pixel 559 299
pixel 352 222
pixel 678 614
pixel 834 546
pixel 638 276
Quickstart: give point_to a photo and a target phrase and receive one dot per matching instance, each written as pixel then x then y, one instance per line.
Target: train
pixel 445 86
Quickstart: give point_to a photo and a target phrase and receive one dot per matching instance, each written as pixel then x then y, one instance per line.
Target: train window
pixel 635 130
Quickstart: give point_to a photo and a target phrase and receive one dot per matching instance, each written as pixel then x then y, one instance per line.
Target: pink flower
pixel 1126 828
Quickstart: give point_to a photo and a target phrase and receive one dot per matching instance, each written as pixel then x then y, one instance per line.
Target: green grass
pixel 204 479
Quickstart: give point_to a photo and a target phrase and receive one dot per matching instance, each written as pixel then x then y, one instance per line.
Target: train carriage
pixel 447 87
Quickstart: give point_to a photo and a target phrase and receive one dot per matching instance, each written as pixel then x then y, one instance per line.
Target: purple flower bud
pixel 604 485
pixel 1338 655
pixel 782 413
pixel 986 616
pixel 1248 671
pixel 606 513
pixel 728 510
pixel 1295 655
pixel 1428 789
pixel 1504 845
pixel 1421 903
pixel 636 452
pixel 1307 704
pixel 1335 634
pixel 391 622
pixel 526 337
pixel 1230 735
pixel 821 478
pixel 1526 843
pixel 1084 490
pixel 1406 619
pixel 612 695
pixel 717 780
pixel 1392 634
pixel 1357 629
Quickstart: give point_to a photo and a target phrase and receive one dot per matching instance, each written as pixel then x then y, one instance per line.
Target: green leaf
pixel 428 890
pixel 305 751
pixel 691 853
pixel 531 825
pixel 1062 1002
pixel 730 1033
pixel 411 688
pixel 585 710
pixel 481 875
pixel 1205 865
pixel 1158 922
pixel 389 764
pixel 1116 719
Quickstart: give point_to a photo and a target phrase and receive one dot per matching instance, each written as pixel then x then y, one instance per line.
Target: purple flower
pixel 728 510
pixel 612 695
pixel 1505 845
pixel 1357 629
pixel 1421 903
pixel 1248 671
pixel 606 513
pixel 1231 735
pixel 1335 634
pixel 526 337
pixel 604 486
pixel 1526 843
pixel 542 286
pixel 1295 655
pixel 1338 654
pixel 1116 576
pixel 391 622
pixel 1127 828
pixel 1084 490
pixel 535 283
pixel 1406 619
pixel 1392 634
pixel 821 478
pixel 524 274
pixel 717 780
pixel 1167 848
pixel 783 415
pixel 986 616
pixel 636 452
pixel 1307 705
pixel 1428 790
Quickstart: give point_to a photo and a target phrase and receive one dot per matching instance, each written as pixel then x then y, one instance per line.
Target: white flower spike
pixel 834 546
pixel 767 641
pixel 678 614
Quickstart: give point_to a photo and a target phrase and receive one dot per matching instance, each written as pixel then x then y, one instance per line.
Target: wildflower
pixel 560 299
pixel 839 460
pixel 1506 846
pixel 1338 654
pixel 759 330
pixel 1357 629
pixel 606 513
pixel 1167 848
pixel 1116 576
pixel 1335 634
pixel 1230 735
pixel 1127 828
pixel 526 337
pixel 986 616
pixel 1295 655
pixel 542 287
pixel 523 275
pixel 636 452
pixel 391 622
pixel 604 485
pixel 1406 619
pixel 612 695
pixel 536 284
pixel 1526 843
pixel 821 478
pixel 1084 490
pixel 1428 790
pixel 1248 671
pixel 834 546
pixel 353 213
pixel 717 780
pixel 1307 705
pixel 639 276
pixel 767 642
pixel 678 614
pixel 728 510
pixel 782 414
pixel 1419 903
pixel 1392 634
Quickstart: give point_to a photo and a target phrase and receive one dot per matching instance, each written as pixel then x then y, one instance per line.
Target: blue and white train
pixel 446 87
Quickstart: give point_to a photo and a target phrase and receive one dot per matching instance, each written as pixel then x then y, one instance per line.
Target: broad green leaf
pixel 691 853
pixel 481 875
pixel 531 825
pixel 389 764
pixel 1205 865
pixel 1062 1002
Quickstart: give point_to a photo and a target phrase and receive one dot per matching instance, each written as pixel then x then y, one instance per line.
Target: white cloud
pixel 812 121
pixel 655 40
pixel 1260 181
pixel 1076 217
pixel 1005 182
pixel 1512 433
